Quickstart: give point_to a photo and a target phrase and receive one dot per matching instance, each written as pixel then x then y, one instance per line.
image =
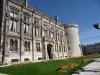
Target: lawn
pixel 40 68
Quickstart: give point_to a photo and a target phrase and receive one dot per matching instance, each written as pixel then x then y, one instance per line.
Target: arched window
pixel 11 44
pixel 27 46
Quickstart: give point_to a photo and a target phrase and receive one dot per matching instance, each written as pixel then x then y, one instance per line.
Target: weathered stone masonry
pixel 28 34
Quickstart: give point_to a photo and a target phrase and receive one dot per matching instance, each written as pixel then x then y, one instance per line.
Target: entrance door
pixel 49 46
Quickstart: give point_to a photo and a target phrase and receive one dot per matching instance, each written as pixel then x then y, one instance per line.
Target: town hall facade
pixel 28 34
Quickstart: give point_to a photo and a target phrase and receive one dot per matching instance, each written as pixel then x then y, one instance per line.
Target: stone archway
pixel 49 51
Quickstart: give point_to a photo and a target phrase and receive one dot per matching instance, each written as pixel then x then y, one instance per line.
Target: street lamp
pixel 96 26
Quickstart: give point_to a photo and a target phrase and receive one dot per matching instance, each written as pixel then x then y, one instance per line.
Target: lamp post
pixel 81 53
pixel 96 26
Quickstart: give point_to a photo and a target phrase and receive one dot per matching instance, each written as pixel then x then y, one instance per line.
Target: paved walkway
pixel 3 74
pixel 91 69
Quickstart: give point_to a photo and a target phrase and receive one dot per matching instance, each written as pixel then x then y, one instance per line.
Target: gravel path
pixel 91 69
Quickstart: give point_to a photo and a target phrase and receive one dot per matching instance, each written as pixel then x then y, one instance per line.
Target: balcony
pixel 48 39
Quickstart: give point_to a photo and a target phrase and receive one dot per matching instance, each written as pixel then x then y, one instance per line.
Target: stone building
pixel 28 34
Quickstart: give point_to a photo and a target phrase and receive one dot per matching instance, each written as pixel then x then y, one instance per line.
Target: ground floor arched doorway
pixel 49 51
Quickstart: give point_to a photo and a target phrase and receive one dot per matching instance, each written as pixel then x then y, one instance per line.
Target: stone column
pixel 21 44
pixel 21 53
pixel 46 54
pixel 31 49
pixel 34 48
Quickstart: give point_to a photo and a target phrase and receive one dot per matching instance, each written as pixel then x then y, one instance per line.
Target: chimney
pixel 26 2
pixel 56 17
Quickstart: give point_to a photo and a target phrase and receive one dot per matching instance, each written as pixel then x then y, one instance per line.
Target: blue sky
pixel 83 12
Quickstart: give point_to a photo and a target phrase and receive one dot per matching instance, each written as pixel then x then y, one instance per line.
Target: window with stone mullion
pixel 13 21
pixel 43 32
pixel 36 31
pixel 45 29
pixel 25 45
pixel 55 48
pixel 36 23
pixel 38 47
pixel 26 24
pixel 28 46
pixel 13 45
pixel 26 27
pixel 52 34
pixel 64 49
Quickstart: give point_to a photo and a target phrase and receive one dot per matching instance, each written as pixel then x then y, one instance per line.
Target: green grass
pixel 41 68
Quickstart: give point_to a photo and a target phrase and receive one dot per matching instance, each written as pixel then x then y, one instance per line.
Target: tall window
pixel 57 36
pixel 52 32
pixel 26 23
pixel 64 49
pixel 13 20
pixel 27 46
pixel 36 23
pixel 45 29
pixel 38 47
pixel 13 45
pixel 68 47
pixel 59 48
pixel 43 34
pixel 55 48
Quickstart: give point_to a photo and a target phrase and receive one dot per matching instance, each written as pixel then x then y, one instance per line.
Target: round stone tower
pixel 73 40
